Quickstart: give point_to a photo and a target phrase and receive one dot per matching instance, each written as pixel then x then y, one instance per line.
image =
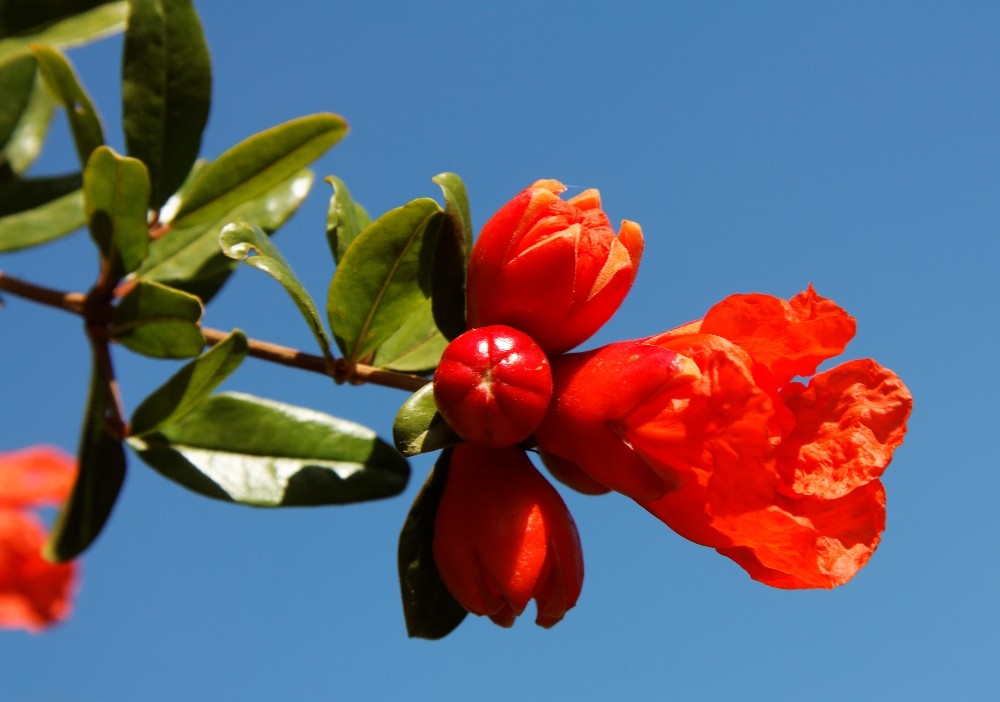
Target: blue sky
pixel 761 147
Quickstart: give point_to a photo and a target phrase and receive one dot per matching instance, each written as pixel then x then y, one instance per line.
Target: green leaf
pixel 65 86
pixel 430 610
pixel 257 452
pixel 345 219
pixel 190 386
pixel 116 193
pixel 101 474
pixel 22 194
pixel 166 91
pixel 416 345
pixel 256 165
pixel 51 221
pixel 419 428
pixel 383 278
pixel 451 257
pixel 248 243
pixel 158 321
pixel 25 112
pixel 189 258
pixel 62 23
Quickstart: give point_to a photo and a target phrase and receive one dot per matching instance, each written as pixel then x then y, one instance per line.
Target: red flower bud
pixel 493 385
pixel 34 593
pixel 502 536
pixel 552 268
pixel 779 476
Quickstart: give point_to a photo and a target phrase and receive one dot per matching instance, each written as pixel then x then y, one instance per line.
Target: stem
pixel 77 303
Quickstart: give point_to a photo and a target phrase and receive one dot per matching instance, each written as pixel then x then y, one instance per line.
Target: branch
pixel 75 303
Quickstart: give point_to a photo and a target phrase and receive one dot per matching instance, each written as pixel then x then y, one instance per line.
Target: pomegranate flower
pixel 34 593
pixel 551 268
pixel 705 427
pixel 502 536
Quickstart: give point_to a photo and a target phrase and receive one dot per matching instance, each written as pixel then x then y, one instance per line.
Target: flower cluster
pixel 34 593
pixel 705 426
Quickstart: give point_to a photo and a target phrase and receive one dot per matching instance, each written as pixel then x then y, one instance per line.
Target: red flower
pixel 551 268
pixel 502 536
pixel 34 593
pixel 493 385
pixel 780 476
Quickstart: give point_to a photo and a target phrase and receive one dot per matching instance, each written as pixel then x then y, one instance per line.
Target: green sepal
pixel 116 195
pixel 189 258
pixel 101 460
pixel 384 278
pixel 63 83
pixel 158 321
pixel 40 225
pixel 430 610
pixel 451 258
pixel 345 219
pixel 419 428
pixel 190 386
pixel 166 91
pixel 261 453
pixel 256 165
pixel 245 242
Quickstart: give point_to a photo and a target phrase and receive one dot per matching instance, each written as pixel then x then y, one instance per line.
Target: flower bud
pixel 552 268
pixel 502 536
pixel 493 385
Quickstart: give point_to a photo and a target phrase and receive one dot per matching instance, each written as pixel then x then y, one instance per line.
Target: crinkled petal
pixel 848 422
pixel 789 338
pixel 36 476
pixel 34 593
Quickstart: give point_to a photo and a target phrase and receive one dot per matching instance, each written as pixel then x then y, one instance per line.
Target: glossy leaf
pixel 190 386
pixel 158 321
pixel 451 257
pixel 256 165
pixel 25 113
pixel 419 428
pixel 62 23
pixel 115 195
pixel 430 610
pixel 189 258
pixel 249 244
pixel 65 86
pixel 101 474
pixel 166 91
pixel 19 194
pixel 257 452
pixel 416 345
pixel 383 278
pixel 345 219
pixel 51 221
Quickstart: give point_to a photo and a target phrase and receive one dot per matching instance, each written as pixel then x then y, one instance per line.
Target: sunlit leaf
pixel 419 428
pixel 383 278
pixel 189 258
pixel 51 221
pixel 190 386
pixel 101 474
pixel 416 345
pixel 257 452
pixel 345 219
pixel 65 86
pixel 158 321
pixel 166 91
pixel 62 23
pixel 256 165
pixel 431 611
pixel 451 257
pixel 249 244
pixel 116 193
pixel 25 112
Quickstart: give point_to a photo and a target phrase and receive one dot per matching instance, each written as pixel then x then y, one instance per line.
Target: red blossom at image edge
pixel 34 593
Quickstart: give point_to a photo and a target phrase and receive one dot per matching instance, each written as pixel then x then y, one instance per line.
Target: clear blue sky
pixel 761 146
